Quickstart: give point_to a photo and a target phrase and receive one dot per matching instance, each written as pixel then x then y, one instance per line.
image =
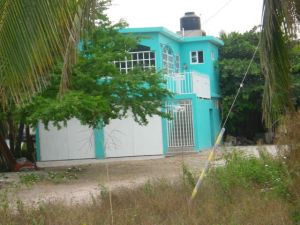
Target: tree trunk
pixel 7 154
pixel 11 133
pixel 19 140
pixel 29 142
pixel 3 164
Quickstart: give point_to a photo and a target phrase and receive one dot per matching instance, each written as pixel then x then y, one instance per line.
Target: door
pixel 212 130
pixel 125 137
pixel 72 142
pixel 180 129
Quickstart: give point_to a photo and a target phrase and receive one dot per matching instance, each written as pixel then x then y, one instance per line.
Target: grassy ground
pixel 164 204
pixel 245 191
pixel 77 184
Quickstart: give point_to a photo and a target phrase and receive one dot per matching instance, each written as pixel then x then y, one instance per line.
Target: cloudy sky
pixel 216 15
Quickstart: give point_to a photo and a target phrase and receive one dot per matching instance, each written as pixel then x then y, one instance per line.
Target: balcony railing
pixel 189 83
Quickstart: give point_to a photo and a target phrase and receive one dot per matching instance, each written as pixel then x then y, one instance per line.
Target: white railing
pixel 189 83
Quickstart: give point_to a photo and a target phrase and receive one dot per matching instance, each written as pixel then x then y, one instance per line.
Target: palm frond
pixel 297 10
pixel 33 34
pixel 279 25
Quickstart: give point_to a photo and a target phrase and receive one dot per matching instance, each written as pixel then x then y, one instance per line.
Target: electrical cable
pixel 217 12
pixel 241 85
pixel 221 133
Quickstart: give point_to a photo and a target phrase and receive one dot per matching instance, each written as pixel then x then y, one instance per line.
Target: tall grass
pixel 267 174
pixel 164 202
pixel 288 135
pixel 167 204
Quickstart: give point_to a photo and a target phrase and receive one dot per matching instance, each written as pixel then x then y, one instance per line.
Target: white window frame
pixel 168 60
pixel 145 59
pixel 197 57
pixel 212 55
pixel 177 63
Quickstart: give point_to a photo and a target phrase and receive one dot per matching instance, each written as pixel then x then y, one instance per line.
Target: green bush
pixel 63 176
pixel 56 177
pixel 188 177
pixel 30 178
pixel 266 173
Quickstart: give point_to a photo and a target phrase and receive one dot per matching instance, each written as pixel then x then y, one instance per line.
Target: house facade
pixel 188 61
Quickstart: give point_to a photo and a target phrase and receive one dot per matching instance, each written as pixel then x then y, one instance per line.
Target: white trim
pixel 212 56
pixel 177 63
pixel 168 59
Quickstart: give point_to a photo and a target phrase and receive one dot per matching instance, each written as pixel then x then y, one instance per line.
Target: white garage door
pixel 72 142
pixel 126 138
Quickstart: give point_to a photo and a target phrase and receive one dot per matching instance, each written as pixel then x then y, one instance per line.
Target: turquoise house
pixel 188 61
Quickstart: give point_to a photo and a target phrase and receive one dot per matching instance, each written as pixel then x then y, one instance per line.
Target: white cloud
pixel 238 15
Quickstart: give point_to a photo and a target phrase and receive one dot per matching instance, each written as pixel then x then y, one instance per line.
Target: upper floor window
pixel 197 57
pixel 177 64
pixel 168 60
pixel 212 55
pixel 142 59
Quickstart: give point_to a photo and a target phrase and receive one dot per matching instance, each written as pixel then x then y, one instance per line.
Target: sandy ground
pixel 93 178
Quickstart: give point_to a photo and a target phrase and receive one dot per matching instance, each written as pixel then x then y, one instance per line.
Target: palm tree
pixel 280 24
pixel 33 34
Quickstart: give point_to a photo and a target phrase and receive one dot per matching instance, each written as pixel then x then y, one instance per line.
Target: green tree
pixel 33 34
pixel 235 56
pixel 295 72
pixel 97 90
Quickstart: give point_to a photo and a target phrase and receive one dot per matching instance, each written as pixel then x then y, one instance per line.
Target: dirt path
pixel 93 178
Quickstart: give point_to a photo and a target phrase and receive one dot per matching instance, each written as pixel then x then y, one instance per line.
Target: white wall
pixel 121 138
pixel 72 142
pixel 126 138
pixel 201 85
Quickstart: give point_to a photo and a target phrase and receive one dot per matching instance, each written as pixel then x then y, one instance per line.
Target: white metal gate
pixel 180 129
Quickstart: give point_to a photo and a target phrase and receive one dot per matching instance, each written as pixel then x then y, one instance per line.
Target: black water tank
pixel 190 22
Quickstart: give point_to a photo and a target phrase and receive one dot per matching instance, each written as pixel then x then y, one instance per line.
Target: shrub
pixel 30 178
pixel 188 177
pixel 266 173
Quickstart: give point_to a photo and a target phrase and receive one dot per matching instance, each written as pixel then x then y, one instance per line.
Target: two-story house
pixel 188 61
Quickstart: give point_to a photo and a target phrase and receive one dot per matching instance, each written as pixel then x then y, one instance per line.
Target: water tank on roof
pixel 190 21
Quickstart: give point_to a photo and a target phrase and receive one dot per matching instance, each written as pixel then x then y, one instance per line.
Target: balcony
pixel 189 83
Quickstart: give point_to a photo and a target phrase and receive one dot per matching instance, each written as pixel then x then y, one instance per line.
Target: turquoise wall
pixel 99 142
pixel 206 114
pixel 182 47
pixel 207 122
pixel 208 67
pixel 157 42
pixel 37 144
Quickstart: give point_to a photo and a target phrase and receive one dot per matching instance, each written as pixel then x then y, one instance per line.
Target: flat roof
pixel 172 35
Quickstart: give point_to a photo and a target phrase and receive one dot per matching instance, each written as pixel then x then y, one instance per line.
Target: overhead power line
pixel 218 11
pixel 221 133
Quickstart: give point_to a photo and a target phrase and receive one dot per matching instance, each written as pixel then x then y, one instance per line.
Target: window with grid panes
pixel 177 64
pixel 197 57
pixel 168 60
pixel 142 59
